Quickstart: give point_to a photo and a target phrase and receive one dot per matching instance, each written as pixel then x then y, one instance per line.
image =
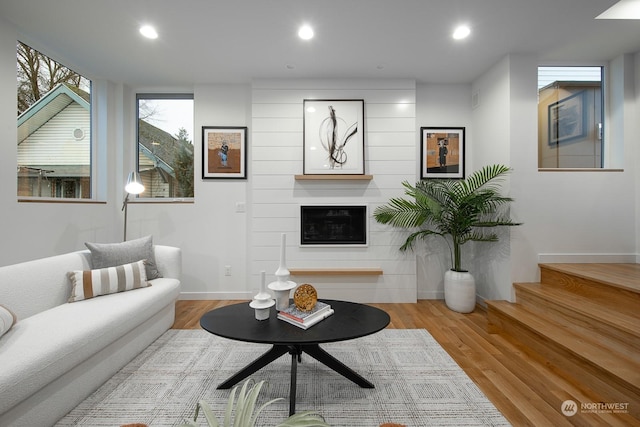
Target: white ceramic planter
pixel 460 291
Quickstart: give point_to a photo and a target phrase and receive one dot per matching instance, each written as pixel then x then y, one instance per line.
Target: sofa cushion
pixel 87 284
pixel 34 286
pixel 7 320
pixel 45 346
pixel 114 254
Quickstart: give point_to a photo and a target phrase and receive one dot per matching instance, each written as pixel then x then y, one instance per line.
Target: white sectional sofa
pixel 59 352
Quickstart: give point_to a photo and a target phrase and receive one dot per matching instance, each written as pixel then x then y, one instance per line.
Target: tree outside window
pixel 165 145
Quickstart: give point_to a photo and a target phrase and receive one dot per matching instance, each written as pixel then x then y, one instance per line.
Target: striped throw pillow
pixel 92 283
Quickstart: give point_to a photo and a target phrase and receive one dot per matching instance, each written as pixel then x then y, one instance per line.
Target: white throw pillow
pixel 7 320
pixel 92 283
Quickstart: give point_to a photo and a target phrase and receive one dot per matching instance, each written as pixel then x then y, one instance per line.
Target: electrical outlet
pixel 227 270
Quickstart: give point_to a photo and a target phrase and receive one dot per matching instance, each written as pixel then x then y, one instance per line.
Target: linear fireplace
pixel 333 225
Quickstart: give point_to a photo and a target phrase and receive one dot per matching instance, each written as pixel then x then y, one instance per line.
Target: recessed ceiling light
pixel 149 32
pixel 305 32
pixel 624 9
pixel 461 32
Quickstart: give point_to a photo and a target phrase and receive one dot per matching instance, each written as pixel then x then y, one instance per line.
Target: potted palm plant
pixel 457 210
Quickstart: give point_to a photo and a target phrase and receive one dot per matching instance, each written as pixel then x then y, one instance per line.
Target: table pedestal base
pixel 296 351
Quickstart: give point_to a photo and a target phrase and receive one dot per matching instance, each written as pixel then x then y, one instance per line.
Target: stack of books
pixel 305 319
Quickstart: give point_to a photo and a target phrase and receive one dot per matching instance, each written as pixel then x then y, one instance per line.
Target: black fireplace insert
pixel 333 225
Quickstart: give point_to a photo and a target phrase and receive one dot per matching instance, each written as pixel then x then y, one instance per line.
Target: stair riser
pixel 625 341
pixel 610 387
pixel 582 286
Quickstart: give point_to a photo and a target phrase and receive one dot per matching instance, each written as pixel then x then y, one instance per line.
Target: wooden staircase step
pixel 597 278
pixel 615 376
pixel 614 320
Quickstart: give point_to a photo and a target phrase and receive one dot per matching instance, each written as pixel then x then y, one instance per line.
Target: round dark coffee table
pixel 350 320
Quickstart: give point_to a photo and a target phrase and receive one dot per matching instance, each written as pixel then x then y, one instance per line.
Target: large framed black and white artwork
pixel 333 137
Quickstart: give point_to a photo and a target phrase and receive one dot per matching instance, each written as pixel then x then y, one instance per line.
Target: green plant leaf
pixel 241 406
pixel 261 408
pixel 453 209
pixel 208 414
pixel 304 419
pixel 245 404
pixel 229 409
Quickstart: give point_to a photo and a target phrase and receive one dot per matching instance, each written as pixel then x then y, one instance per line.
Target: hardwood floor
pixel 528 390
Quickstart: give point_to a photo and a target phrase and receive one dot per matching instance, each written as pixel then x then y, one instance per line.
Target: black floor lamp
pixel 134 186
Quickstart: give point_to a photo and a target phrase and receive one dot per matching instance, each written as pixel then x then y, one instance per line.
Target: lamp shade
pixel 134 183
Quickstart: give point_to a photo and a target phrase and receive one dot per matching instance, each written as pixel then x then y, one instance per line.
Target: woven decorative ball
pixel 305 297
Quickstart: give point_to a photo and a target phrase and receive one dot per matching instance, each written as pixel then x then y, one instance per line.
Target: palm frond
pixel 483 176
pixel 422 234
pixel 448 207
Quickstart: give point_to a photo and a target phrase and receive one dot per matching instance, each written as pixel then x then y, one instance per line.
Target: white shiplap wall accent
pixel 276 152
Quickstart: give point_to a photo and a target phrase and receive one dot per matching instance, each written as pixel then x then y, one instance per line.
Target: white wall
pixel 211 231
pixel 277 154
pixel 635 154
pixel 440 105
pixel 32 230
pixel 492 143
pixel 569 216
pixel 574 216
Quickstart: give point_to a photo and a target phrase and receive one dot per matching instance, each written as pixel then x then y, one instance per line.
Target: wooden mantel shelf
pixel 334 177
pixel 336 271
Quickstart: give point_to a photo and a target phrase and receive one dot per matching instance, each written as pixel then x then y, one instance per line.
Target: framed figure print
pixel 333 137
pixel 224 152
pixel 442 152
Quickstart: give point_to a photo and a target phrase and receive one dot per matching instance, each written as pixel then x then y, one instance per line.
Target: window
pixel 570 117
pixel 165 145
pixel 54 128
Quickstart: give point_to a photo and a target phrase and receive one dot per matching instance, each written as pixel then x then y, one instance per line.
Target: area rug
pixel 416 384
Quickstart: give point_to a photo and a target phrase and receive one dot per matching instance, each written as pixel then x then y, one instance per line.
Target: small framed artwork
pixel 333 137
pixel 442 152
pixel 224 152
pixel 567 119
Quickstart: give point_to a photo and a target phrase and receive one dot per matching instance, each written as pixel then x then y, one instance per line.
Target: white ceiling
pixel 235 41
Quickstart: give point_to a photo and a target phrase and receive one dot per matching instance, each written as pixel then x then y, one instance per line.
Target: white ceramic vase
pixel 460 291
pixel 282 286
pixel 262 301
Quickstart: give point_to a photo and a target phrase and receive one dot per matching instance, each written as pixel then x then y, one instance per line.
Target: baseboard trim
pixel 588 258
pixel 215 296
pixel 430 294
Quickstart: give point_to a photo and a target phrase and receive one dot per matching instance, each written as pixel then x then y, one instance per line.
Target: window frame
pixel 91 184
pixel 183 95
pixel 606 143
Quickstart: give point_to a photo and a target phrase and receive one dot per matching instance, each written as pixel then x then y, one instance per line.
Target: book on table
pixel 301 318
pixel 309 322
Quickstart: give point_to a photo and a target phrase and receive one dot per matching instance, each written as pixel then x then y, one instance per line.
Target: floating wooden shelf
pixel 334 177
pixel 336 271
